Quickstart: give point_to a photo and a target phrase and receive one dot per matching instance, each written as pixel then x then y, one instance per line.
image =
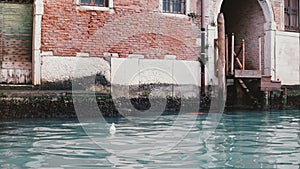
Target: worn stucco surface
pixel 55 69
pixel 288 58
pixel 171 77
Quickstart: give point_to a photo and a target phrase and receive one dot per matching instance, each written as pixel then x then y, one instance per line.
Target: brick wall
pixel 278 9
pixel 139 27
pixel 64 28
pixel 133 27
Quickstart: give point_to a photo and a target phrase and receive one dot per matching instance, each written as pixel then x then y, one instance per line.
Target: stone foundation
pixel 19 102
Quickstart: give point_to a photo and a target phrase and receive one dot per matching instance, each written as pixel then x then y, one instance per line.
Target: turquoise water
pixel 241 140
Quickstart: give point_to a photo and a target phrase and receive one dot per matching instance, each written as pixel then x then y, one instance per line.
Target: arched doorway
pixel 250 19
pixel 246 20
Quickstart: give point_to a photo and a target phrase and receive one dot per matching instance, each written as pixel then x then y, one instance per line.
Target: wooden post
pixel 221 63
pixel 243 53
pixel 232 53
pixel 239 63
pixel 267 99
pixel 259 53
pixel 226 55
pixel 285 97
pixel 215 56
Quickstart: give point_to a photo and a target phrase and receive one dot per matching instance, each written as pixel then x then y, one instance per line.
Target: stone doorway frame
pixel 269 38
pixel 38 11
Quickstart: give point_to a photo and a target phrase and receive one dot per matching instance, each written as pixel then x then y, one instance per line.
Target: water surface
pixel 241 140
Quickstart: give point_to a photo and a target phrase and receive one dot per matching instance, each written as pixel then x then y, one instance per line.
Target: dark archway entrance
pixel 246 20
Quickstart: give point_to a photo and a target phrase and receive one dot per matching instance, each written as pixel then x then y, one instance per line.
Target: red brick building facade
pixel 159 28
pixel 64 30
pixel 138 27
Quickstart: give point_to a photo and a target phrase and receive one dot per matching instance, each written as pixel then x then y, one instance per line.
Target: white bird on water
pixel 112 129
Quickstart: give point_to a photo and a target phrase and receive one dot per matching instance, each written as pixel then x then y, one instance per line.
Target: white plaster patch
pixel 138 56
pixel 185 75
pixel 288 58
pixel 170 57
pixel 81 54
pixel 66 68
pixel 107 54
pixel 198 42
pixel 126 71
pixel 187 72
pixel 47 53
pixel 156 71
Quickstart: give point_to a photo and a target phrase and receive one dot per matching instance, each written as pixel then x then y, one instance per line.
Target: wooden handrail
pixel 215 56
pixel 241 49
pixel 239 63
pixel 226 55
pixel 232 53
pixel 259 54
pixel 238 53
pixel 234 56
pixel 243 53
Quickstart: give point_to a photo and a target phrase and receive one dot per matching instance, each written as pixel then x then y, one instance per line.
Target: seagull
pixel 112 129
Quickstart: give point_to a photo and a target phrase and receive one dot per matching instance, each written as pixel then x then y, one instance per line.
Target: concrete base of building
pixel 20 102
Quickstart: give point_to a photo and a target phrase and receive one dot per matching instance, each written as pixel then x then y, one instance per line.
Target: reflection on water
pixel 242 140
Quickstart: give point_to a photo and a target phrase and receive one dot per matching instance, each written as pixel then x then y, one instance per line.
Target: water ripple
pixel 242 140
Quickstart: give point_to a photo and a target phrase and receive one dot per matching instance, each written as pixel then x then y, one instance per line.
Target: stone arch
pixel 269 35
pixel 264 4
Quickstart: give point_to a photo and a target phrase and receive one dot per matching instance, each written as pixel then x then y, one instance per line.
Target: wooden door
pixel 15 41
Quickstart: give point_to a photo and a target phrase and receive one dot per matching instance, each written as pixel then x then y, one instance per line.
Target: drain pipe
pixel 203 45
pixel 299 32
pixel 203 14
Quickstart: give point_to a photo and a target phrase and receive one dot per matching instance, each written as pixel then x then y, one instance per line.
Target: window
pixel 95 5
pixel 291 15
pixel 102 3
pixel 174 6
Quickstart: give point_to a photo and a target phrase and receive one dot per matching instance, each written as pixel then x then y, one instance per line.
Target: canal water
pixel 241 139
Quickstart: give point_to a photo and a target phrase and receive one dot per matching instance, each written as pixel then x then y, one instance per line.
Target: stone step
pixel 256 74
pixel 270 85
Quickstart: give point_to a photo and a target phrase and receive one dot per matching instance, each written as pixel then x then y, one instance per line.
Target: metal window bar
pixel 102 3
pixel 85 2
pixel 166 5
pixel 291 12
pixel 174 6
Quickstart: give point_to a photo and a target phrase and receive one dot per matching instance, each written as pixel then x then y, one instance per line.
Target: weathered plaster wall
pixel 288 58
pixel 184 75
pixel 138 27
pixel 130 27
pixel 60 69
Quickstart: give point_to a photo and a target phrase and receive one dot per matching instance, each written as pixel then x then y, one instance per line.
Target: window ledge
pixel 93 8
pixel 175 15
